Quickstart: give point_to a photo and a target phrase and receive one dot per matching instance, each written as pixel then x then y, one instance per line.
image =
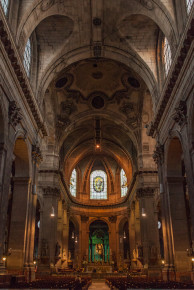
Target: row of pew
pixel 135 283
pixel 67 282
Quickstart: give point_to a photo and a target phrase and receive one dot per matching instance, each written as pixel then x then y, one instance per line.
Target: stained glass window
pixel 167 56
pixel 98 185
pixel 189 4
pixel 5 4
pixel 27 57
pixel 124 187
pixel 73 183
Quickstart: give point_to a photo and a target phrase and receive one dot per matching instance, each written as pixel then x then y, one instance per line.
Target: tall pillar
pixel 113 239
pixel 84 238
pixel 48 229
pixel 149 231
pixel 168 270
pixel 131 222
pixel 65 237
pixel 19 223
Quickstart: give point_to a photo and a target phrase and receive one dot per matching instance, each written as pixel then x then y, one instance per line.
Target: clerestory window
pixel 124 185
pixel 189 4
pixel 98 185
pixel 27 57
pixel 5 5
pixel 73 183
pixel 167 56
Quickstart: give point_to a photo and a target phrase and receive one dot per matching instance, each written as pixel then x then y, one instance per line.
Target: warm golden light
pixel 162 261
pixel 97 146
pixel 4 258
pixel 192 259
pixel 34 262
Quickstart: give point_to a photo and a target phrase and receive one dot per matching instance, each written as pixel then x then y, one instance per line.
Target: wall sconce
pixel 143 213
pixel 76 240
pixel 72 235
pixel 124 235
pixel 163 262
pixel 34 262
pixel 52 212
pixel 4 259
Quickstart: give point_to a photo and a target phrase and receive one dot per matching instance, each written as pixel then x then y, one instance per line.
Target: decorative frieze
pixel 36 154
pixel 158 155
pixel 15 115
pixel 145 192
pixel 97 49
pixel 180 116
pixel 51 191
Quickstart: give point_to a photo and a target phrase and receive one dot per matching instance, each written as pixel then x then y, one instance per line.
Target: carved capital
pixel 84 218
pixel 158 155
pixel 36 154
pixel 51 191
pixel 145 192
pixel 112 218
pixel 14 114
pixel 180 116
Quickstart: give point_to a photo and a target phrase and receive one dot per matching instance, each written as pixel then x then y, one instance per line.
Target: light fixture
pixel 163 262
pixel 143 212
pixel 124 235
pixel 34 262
pixel 192 259
pixel 52 212
pixel 97 146
pixel 72 236
pixel 4 259
pixel 76 240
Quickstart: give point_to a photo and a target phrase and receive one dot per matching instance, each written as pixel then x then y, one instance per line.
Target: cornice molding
pixel 17 65
pixel 182 52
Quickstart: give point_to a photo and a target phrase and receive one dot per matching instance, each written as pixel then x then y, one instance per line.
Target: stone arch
pixel 127 58
pixel 32 18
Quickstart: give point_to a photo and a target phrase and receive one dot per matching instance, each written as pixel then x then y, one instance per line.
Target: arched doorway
pixel 99 242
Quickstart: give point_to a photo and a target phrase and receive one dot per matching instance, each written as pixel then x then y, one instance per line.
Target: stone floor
pixel 98 285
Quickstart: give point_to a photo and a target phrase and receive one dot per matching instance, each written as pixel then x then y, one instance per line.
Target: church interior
pixel 97 142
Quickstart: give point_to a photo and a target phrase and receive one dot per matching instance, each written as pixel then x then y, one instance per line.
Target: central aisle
pixel 98 285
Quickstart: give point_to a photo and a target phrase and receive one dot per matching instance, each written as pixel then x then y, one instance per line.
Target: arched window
pixel 167 56
pixel 123 179
pixel 98 185
pixel 189 4
pixel 27 57
pixel 73 183
pixel 5 4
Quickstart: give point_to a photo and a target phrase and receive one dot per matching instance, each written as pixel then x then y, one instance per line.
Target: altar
pixel 96 268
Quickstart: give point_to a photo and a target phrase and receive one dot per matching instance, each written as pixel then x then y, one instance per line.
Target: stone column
pixel 51 196
pixel 131 222
pixel 19 223
pixel 149 232
pixel 65 237
pixel 168 271
pixel 84 238
pixel 29 266
pixel 113 243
